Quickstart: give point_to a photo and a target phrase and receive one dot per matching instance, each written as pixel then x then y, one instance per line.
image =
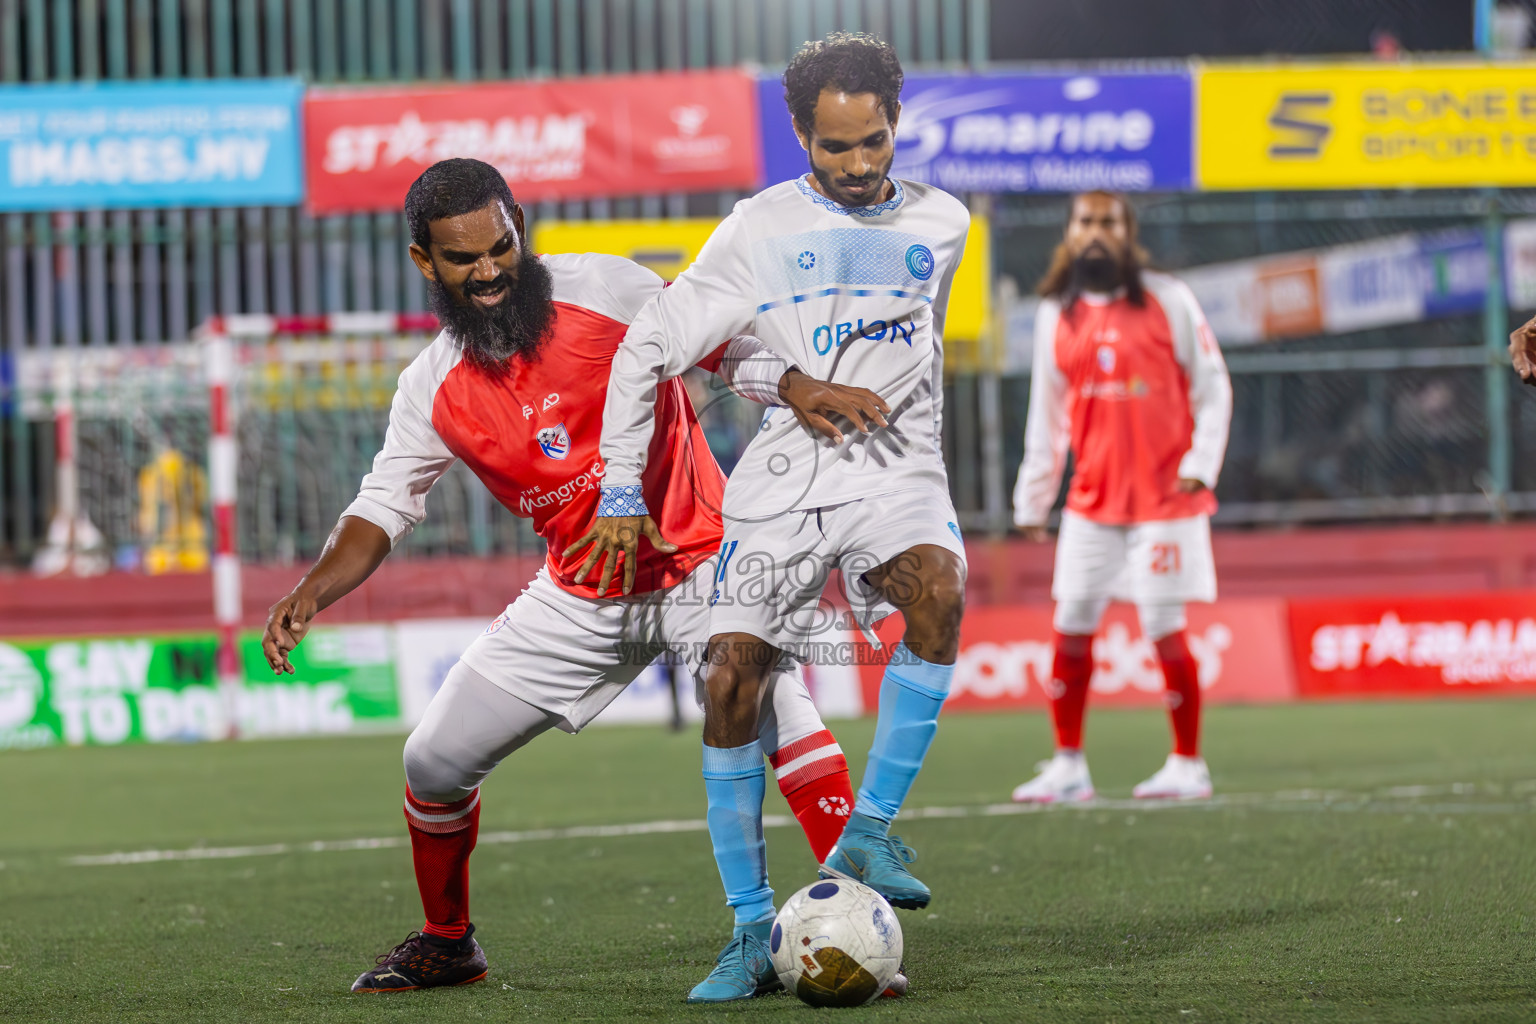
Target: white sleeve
pixel 753 370
pixel 712 299
pixel 1210 389
pixel 393 495
pixel 1047 428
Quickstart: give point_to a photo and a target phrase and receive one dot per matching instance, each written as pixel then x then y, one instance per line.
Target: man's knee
pixel 940 601
pixel 731 687
pixel 431 773
pixel 1161 619
pixel 1079 617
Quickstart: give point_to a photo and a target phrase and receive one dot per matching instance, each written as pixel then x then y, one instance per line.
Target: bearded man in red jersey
pixel 1128 376
pixel 514 386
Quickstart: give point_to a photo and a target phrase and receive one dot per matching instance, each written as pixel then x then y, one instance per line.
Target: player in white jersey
pixel 844 274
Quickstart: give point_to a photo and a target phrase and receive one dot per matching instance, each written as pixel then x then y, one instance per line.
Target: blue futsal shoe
pixel 742 970
pixel 864 853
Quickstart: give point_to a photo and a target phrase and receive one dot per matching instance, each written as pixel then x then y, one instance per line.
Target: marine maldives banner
pixel 1446 645
pixel 1023 133
pixel 564 139
pixel 114 144
pixel 1006 650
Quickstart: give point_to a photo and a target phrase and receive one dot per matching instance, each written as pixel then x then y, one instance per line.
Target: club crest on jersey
pixel 920 262
pixel 1106 359
pixel 555 442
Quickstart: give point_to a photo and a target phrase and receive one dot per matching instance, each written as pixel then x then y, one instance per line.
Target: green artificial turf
pixel 1362 862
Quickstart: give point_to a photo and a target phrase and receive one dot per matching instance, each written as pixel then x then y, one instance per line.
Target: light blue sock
pixel 734 781
pixel 911 695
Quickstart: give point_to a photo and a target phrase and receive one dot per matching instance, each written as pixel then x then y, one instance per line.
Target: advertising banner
pixel 567 139
pixel 1371 283
pixel 1390 280
pixel 1366 125
pixel 668 247
pixel 428 648
pixel 1022 133
pixel 161 689
pixel 1520 263
pixel 1448 645
pixel 114 144
pixel 1006 651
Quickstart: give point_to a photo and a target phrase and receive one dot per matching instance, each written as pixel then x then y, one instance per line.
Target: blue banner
pixel 1022 133
pixel 1453 272
pixel 223 143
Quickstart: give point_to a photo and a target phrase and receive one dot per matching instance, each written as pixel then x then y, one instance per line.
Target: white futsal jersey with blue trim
pixel 852 295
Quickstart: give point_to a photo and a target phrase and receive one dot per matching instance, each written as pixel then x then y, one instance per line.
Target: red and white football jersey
pixel 1141 395
pixel 531 435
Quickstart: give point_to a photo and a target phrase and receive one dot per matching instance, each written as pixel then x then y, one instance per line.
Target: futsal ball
pixel 836 943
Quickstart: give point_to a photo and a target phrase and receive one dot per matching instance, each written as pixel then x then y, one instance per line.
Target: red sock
pixel 1071 671
pixel 442 838
pixel 1181 677
pixel 813 776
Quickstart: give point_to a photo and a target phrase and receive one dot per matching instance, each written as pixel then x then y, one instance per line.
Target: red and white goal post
pixel 227 344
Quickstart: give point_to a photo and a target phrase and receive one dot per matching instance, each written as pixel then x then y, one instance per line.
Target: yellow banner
pixel 669 246
pixel 1366 125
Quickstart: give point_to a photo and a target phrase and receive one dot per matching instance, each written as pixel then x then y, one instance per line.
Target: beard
pixel 831 187
pixel 1095 269
pixel 514 327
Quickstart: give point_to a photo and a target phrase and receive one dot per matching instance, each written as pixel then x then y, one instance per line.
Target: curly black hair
pixel 852 62
pixel 449 188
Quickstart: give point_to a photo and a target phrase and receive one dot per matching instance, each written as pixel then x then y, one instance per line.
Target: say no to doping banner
pixel 567 139
pixel 70 147
pixel 115 690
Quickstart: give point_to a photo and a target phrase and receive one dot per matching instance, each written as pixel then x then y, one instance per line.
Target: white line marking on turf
pixel 1303 800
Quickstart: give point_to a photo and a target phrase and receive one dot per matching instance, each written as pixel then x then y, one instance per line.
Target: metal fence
pixel 146 277
pixel 310 415
pixel 1420 420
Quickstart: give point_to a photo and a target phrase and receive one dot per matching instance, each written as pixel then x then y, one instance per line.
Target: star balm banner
pixel 1022 133
pixel 567 139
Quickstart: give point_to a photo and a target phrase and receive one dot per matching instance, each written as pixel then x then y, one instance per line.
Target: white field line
pixel 1291 800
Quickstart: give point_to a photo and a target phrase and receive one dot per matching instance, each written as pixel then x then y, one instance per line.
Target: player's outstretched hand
pixel 616 538
pixel 814 402
pixel 1522 351
pixel 1035 534
pixel 287 623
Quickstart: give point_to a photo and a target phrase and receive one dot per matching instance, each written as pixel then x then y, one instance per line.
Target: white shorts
pixel 1166 561
pixel 773 571
pixel 570 655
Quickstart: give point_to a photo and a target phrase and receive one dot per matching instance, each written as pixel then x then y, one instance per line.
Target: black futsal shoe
pixel 425 961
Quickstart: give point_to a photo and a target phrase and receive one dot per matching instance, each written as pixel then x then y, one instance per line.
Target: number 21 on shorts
pixel 1165 560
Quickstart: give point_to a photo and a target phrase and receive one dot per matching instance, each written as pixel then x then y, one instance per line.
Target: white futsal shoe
pixel 1062 780
pixel 1180 778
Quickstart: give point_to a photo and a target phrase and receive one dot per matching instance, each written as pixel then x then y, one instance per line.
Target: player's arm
pixel 1522 351
pixel 390 502
pixel 712 299
pixel 1047 431
pixel 1210 394
pixel 354 549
